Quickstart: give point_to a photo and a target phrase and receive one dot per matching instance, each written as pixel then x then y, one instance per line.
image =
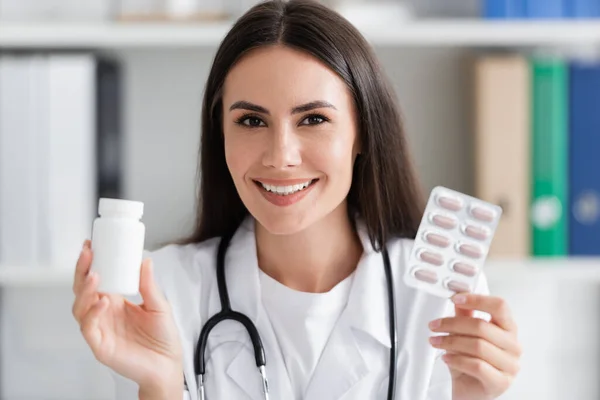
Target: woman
pixel 303 161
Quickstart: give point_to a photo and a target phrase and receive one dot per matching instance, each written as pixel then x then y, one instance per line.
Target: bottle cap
pixel 128 208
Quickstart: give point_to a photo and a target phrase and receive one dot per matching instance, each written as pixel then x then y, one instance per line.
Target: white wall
pixel 42 353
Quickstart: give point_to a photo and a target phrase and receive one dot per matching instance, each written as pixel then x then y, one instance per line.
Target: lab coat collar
pixel 367 308
pixel 366 311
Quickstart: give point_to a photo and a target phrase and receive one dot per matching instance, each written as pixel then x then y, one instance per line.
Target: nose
pixel 282 149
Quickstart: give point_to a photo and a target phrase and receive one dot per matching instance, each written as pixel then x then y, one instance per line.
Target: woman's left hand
pixel 483 357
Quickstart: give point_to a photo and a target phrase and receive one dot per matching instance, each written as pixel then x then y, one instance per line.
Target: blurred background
pixel 102 98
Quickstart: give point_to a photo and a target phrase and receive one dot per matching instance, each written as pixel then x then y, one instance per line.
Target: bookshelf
pixel 584 270
pixel 23 276
pixel 426 32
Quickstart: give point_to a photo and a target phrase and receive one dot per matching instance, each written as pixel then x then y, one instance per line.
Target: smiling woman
pixel 300 131
pixel 311 81
pixel 308 207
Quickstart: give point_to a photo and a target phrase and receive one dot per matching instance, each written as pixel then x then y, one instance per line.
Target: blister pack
pixel 452 243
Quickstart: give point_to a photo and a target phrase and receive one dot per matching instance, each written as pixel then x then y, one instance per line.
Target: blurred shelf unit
pixel 581 270
pixel 441 32
pixel 35 276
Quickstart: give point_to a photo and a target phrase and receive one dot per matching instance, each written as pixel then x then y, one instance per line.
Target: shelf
pixel 35 276
pixel 468 32
pixel 537 270
pixel 544 269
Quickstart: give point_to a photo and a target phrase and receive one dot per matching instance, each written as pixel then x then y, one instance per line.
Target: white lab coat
pixel 355 361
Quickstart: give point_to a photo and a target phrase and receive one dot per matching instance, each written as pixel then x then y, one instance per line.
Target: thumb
pixel 151 294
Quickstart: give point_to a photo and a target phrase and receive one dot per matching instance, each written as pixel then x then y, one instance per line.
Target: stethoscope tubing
pixel 227 313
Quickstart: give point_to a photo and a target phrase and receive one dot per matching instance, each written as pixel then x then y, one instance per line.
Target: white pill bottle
pixel 118 246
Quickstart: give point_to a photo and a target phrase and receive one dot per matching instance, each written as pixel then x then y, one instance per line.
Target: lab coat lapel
pixel 243 369
pixel 340 367
pixel 343 363
pixel 243 284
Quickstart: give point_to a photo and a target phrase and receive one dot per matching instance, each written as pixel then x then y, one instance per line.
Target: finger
pixel 495 306
pixel 462 312
pixel 151 294
pixel 83 266
pixel 478 327
pixel 478 348
pixel 90 324
pixel 86 297
pixel 493 381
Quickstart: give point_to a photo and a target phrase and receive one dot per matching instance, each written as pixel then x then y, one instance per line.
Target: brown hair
pixel 384 192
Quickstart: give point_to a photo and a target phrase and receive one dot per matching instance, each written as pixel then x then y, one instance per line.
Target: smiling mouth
pixel 286 190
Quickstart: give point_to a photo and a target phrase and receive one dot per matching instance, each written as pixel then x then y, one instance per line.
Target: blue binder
pixel 583 8
pixel 503 9
pixel 584 159
pixel 546 9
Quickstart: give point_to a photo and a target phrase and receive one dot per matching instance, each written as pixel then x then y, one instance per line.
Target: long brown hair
pixel 384 192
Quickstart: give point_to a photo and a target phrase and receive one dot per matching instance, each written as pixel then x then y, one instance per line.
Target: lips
pixel 285 193
pixel 286 188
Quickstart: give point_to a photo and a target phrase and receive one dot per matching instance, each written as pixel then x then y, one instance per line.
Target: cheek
pixel 238 156
pixel 336 156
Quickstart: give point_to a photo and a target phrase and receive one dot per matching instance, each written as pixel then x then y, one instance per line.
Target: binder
pixel 549 198
pixel 502 121
pixel 546 9
pixel 109 149
pixel 503 9
pixel 583 8
pixel 71 172
pixel 21 158
pixel 60 150
pixel 584 160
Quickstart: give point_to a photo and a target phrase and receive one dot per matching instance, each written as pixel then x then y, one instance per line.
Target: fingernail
pixel 459 299
pixel 435 324
pixel 91 276
pixel 435 340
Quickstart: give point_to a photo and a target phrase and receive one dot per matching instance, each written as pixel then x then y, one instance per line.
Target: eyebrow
pixel 246 105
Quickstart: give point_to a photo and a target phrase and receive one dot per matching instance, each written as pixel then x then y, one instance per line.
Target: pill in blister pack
pixel 452 243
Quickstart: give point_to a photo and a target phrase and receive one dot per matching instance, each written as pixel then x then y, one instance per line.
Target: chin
pixel 282 224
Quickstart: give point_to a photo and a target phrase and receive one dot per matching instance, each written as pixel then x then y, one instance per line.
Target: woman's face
pixel 290 137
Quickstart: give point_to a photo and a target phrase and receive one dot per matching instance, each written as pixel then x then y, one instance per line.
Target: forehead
pixel 279 75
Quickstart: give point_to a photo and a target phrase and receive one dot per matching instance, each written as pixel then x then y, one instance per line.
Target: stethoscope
pixel 227 313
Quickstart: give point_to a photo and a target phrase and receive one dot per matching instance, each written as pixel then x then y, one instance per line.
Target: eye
pixel 314 119
pixel 250 121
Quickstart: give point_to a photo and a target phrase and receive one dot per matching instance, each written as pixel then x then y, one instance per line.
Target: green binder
pixel 549 196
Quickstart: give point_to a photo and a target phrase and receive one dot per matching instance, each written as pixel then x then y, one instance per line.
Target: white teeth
pixel 286 190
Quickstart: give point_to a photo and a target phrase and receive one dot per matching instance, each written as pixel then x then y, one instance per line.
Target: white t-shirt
pixel 303 323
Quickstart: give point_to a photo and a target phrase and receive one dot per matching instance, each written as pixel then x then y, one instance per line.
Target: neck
pixel 314 259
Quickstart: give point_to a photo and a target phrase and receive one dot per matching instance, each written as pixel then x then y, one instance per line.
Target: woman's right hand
pixel 139 342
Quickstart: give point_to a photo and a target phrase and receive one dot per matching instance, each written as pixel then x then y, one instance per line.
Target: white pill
pixel 482 213
pixel 458 287
pixel 437 239
pixel 426 276
pixel 450 203
pixel 470 250
pixel 477 232
pixel 431 257
pixel 444 221
pixel 464 269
